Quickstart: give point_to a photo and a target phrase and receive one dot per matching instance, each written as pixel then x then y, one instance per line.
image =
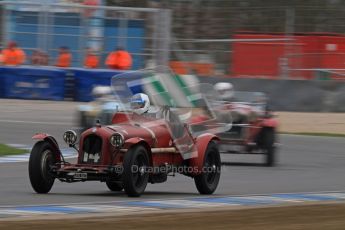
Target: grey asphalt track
pixel 305 164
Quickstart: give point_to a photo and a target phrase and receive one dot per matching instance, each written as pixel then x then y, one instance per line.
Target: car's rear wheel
pixel 268 146
pixel 42 158
pixel 83 121
pixel 135 174
pixel 114 186
pixel 208 180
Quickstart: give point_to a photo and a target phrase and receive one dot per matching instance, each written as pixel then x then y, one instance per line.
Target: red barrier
pixel 200 69
pixel 301 55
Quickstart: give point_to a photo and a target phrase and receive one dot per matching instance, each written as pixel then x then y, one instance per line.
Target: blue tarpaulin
pixel 32 83
pixel 2 86
pixel 86 80
pixel 50 83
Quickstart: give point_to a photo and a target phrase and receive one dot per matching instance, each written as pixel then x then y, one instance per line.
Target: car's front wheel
pixel 135 173
pixel 42 158
pixel 114 186
pixel 207 181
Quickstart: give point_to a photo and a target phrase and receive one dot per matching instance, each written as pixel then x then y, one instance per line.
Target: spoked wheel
pixel 114 186
pixel 268 146
pixel 135 175
pixel 42 158
pixel 208 180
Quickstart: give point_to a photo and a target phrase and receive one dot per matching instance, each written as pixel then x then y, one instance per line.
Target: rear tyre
pixel 42 158
pixel 135 175
pixel 114 186
pixel 82 119
pixel 208 180
pixel 268 147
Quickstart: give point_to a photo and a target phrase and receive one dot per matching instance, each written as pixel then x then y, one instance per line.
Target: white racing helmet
pixel 101 91
pixel 225 90
pixel 140 103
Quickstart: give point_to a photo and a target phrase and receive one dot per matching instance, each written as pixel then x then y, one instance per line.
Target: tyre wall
pixel 49 83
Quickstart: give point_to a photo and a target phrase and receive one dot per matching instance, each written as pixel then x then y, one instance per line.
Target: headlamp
pixel 70 137
pixel 117 140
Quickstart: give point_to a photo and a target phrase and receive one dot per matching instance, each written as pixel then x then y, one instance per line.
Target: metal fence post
pixel 164 38
pixel 289 32
pixel 4 25
pixel 123 28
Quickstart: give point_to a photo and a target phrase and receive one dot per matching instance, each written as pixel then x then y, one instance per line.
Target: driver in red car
pixel 241 113
pixel 140 103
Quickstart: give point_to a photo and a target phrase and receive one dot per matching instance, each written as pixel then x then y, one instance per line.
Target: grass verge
pixel 7 150
pixel 306 217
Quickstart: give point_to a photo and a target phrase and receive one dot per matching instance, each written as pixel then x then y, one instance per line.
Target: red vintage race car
pixel 141 146
pixel 254 126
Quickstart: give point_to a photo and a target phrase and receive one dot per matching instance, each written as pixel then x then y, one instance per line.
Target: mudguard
pixel 136 140
pixel 51 140
pixel 132 141
pixel 201 143
pixel 269 122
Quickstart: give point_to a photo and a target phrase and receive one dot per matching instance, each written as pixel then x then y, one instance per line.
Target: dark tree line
pixel 220 18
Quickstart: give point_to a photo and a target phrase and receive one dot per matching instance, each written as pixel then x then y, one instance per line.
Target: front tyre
pixel 114 186
pixel 42 158
pixel 208 180
pixel 135 175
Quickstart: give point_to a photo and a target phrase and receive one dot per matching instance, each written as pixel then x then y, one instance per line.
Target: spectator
pixel 13 55
pixel 39 57
pixel 91 59
pixel 45 58
pixel 119 59
pixel 1 58
pixel 65 57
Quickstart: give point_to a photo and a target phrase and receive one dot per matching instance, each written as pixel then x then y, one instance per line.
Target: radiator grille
pixel 92 149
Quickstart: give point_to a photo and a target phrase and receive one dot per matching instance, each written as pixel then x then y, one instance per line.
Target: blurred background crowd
pixel 13 55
